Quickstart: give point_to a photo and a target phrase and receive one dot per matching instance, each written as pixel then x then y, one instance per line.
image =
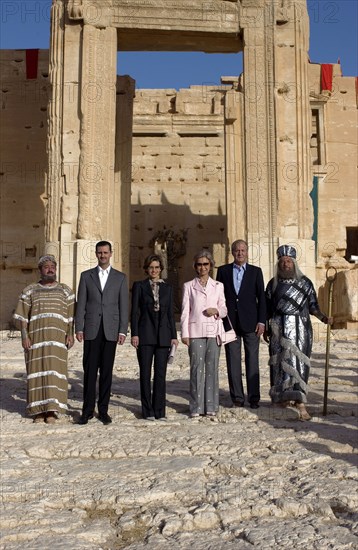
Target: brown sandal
pixel 304 415
pixel 50 418
pixel 39 418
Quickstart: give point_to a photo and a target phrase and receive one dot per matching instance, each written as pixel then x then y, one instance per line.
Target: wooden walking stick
pixel 330 279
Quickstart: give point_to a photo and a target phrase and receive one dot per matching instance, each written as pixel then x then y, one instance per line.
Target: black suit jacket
pixel 143 316
pixel 247 308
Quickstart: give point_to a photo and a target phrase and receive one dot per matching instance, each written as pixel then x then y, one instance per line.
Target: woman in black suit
pixel 153 333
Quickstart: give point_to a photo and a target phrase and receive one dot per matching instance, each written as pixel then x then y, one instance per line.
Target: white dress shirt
pixel 103 275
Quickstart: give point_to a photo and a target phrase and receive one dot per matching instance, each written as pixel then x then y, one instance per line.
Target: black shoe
pixel 84 418
pixel 104 418
pixel 237 405
pixel 254 406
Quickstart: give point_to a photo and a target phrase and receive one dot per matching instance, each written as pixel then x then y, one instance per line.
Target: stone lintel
pixel 154 25
pixel 145 124
pixel 179 41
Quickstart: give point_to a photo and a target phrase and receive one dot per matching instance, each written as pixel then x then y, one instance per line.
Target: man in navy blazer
pixel 245 301
pixel 101 322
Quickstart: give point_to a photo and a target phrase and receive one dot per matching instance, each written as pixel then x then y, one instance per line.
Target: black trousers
pixel 234 369
pixel 153 403
pixel 98 355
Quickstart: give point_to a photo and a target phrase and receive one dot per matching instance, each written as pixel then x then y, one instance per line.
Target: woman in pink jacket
pixel 202 310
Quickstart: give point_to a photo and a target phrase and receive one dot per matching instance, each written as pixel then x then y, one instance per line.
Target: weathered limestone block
pixel 197 109
pixel 91 12
pixel 148 107
pixel 70 117
pixel 345 304
pixel 96 178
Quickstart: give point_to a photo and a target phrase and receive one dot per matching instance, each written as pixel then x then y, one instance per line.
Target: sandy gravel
pixel 246 479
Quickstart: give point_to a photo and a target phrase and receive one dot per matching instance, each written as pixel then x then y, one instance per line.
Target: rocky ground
pixel 246 479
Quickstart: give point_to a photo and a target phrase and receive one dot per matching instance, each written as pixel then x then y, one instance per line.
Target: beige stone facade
pixel 268 156
pixel 23 123
pixel 178 179
pixel 334 146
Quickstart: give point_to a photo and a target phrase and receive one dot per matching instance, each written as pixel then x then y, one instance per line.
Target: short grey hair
pixel 204 253
pixel 238 241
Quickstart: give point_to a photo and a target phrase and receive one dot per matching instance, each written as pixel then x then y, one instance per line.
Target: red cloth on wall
pixel 32 58
pixel 326 76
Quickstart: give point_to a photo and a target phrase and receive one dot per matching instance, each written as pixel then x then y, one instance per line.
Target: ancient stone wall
pixel 24 92
pixel 170 189
pixel 334 165
pixel 178 179
pixel 179 203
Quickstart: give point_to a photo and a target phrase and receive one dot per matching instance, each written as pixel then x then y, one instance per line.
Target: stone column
pixel 97 135
pixel 234 185
pixel 293 122
pixel 276 103
pixel 121 206
pixel 81 192
pixel 260 177
pixel 54 179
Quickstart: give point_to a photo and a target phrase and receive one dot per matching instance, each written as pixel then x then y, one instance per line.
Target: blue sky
pixel 333 35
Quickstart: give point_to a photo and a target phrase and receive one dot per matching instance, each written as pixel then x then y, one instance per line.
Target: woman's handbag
pixel 226 336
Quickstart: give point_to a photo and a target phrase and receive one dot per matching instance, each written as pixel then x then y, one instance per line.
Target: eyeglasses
pixel 205 264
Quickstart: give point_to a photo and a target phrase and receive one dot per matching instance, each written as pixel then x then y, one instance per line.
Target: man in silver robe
pixel 291 299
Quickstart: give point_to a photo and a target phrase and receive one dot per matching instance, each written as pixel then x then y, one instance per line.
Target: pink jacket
pixel 196 299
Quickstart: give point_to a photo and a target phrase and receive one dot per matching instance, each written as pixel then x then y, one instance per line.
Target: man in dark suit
pixel 245 301
pixel 101 322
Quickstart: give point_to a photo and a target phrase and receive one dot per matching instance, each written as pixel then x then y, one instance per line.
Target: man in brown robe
pixel 45 311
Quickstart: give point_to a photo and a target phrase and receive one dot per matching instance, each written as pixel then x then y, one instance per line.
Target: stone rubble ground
pixel 245 479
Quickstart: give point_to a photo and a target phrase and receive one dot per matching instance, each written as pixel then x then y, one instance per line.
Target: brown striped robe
pixel 49 312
